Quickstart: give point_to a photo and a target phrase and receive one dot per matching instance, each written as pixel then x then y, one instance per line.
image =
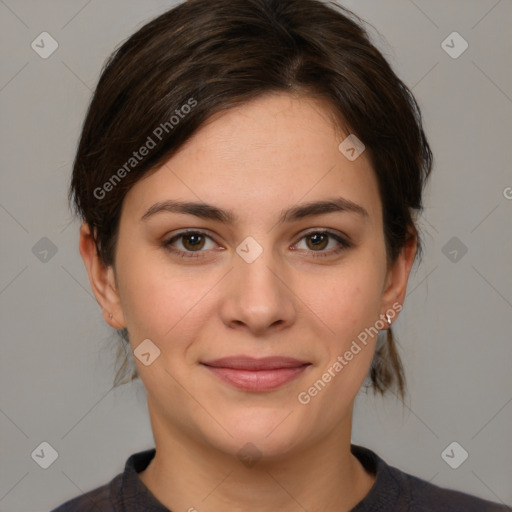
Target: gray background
pixel 57 355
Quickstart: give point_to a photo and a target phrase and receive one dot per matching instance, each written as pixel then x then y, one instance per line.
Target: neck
pixel 187 475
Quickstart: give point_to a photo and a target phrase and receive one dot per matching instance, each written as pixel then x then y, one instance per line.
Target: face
pixel 253 281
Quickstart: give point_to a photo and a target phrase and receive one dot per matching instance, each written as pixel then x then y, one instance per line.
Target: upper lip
pixel 251 363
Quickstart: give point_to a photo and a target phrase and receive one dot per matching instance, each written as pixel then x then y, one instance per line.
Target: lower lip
pixel 257 380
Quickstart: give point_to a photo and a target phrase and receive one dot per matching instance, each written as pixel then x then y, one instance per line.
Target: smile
pixel 256 375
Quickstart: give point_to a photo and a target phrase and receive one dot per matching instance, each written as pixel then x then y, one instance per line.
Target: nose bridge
pixel 253 267
pixel 259 298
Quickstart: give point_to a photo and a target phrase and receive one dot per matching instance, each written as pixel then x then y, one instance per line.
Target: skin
pixel 257 160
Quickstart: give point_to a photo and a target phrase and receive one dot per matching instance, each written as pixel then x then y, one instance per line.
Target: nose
pixel 258 295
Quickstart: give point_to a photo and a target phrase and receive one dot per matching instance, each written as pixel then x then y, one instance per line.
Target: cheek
pixel 347 299
pixel 160 300
pixel 349 306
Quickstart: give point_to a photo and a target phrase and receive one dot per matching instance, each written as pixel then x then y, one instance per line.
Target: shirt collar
pixel 132 495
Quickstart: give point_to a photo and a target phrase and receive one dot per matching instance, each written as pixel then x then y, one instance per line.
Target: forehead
pixel 275 120
pixel 273 151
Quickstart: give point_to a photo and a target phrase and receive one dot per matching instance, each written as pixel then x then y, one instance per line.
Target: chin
pixel 260 432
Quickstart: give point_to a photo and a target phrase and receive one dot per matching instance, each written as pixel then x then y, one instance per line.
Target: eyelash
pixel 343 244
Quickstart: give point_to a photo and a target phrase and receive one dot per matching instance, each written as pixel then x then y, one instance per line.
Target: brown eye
pixel 317 241
pixel 193 241
pixel 188 244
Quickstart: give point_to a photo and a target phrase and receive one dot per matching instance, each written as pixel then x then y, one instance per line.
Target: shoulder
pixel 125 492
pixel 396 490
pixel 424 496
pixel 97 500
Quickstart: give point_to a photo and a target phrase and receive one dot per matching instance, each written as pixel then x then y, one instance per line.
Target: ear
pixel 102 280
pixel 398 274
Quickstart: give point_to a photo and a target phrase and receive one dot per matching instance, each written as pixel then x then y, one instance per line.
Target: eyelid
pixel 302 234
pixel 342 239
pixel 324 230
pixel 168 241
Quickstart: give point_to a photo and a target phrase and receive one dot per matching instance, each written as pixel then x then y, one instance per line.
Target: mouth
pixel 250 374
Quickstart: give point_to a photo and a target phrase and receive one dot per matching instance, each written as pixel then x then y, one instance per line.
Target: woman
pixel 248 177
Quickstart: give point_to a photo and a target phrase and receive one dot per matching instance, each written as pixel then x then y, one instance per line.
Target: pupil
pixel 193 240
pixel 317 239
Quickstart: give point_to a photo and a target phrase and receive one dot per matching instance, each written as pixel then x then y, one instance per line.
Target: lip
pixel 252 363
pixel 252 374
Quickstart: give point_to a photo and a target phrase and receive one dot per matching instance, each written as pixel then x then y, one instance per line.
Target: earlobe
pixel 102 279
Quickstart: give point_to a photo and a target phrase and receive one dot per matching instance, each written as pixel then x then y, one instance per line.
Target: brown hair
pixel 205 56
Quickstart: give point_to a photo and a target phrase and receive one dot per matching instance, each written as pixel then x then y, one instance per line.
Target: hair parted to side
pixel 224 53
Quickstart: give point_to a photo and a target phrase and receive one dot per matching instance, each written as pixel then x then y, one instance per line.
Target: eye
pixel 317 241
pixel 191 241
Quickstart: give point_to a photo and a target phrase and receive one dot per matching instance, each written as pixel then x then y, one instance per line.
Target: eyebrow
pixel 211 212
